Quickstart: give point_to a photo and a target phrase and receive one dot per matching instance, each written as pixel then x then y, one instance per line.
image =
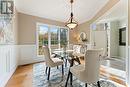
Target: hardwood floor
pixel 23 77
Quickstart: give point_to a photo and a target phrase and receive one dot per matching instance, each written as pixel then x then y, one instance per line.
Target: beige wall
pixel 85 27
pixel 27 27
pixel 73 39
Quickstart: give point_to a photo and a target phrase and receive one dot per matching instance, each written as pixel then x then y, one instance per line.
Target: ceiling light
pixel 71 22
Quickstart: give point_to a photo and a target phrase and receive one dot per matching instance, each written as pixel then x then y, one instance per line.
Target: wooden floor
pixel 23 77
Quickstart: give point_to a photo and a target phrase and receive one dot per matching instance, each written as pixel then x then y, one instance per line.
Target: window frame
pixel 49 35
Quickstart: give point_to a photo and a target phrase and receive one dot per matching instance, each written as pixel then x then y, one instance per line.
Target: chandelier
pixel 71 22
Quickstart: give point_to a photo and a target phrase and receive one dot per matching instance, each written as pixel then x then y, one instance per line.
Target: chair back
pixel 92 65
pixel 83 48
pixel 47 55
pixel 76 48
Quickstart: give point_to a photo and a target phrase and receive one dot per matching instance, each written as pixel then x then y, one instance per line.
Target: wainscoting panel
pixel 28 54
pixel 128 67
pixel 8 62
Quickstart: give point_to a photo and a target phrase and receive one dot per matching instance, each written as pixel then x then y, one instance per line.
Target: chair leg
pixel 48 74
pixel 67 79
pixel 46 70
pixel 98 83
pixel 71 78
pixel 62 70
pixel 85 84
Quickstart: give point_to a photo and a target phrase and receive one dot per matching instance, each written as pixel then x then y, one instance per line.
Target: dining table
pixel 63 54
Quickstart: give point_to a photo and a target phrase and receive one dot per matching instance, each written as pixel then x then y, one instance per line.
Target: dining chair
pixel 51 62
pixel 89 72
pixel 77 52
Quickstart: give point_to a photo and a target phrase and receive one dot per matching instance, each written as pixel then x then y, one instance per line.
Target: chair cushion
pixel 57 61
pixel 76 69
pixel 53 55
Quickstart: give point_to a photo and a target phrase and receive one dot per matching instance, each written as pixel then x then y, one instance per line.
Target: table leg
pixel 69 73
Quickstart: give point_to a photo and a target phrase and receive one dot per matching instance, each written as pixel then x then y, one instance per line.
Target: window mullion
pixel 49 37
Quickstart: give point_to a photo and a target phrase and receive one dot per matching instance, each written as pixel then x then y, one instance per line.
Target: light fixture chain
pixel 71 1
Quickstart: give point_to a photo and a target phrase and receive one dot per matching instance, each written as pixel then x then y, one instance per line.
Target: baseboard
pixel 29 61
pixel 7 77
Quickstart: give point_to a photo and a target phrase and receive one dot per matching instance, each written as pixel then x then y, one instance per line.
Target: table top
pixel 63 53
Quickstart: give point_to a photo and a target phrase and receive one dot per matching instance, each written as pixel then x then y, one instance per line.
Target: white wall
pixel 115 49
pixel 114 39
pixel 128 67
pixel 28 54
pixel 8 62
pixel 9 52
pixel 122 49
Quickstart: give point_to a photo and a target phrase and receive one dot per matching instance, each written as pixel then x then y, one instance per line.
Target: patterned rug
pixel 56 79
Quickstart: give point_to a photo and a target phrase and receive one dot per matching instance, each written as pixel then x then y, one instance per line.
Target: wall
pixel 9 55
pixel 114 39
pixel 122 49
pixel 117 50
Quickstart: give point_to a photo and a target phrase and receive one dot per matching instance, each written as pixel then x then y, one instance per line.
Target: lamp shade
pixel 71 25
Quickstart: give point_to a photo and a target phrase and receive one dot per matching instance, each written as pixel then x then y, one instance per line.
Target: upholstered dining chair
pixel 89 72
pixel 51 62
pixel 77 52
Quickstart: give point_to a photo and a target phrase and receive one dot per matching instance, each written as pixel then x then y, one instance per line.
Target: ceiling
pixel 118 12
pixel 59 10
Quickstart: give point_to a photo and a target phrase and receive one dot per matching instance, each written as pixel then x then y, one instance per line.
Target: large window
pixel 53 36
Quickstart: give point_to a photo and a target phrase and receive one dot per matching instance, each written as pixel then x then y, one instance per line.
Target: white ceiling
pixel 118 12
pixel 59 10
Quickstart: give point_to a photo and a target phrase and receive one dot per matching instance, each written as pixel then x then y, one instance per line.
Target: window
pixel 54 33
pixel 63 36
pixel 53 36
pixel 42 38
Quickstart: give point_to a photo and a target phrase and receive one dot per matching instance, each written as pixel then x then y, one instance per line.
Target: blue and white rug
pixel 56 80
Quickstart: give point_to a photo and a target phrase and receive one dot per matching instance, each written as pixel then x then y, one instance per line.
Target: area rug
pixel 56 79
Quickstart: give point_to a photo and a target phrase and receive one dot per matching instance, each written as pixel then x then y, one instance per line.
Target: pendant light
pixel 71 24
